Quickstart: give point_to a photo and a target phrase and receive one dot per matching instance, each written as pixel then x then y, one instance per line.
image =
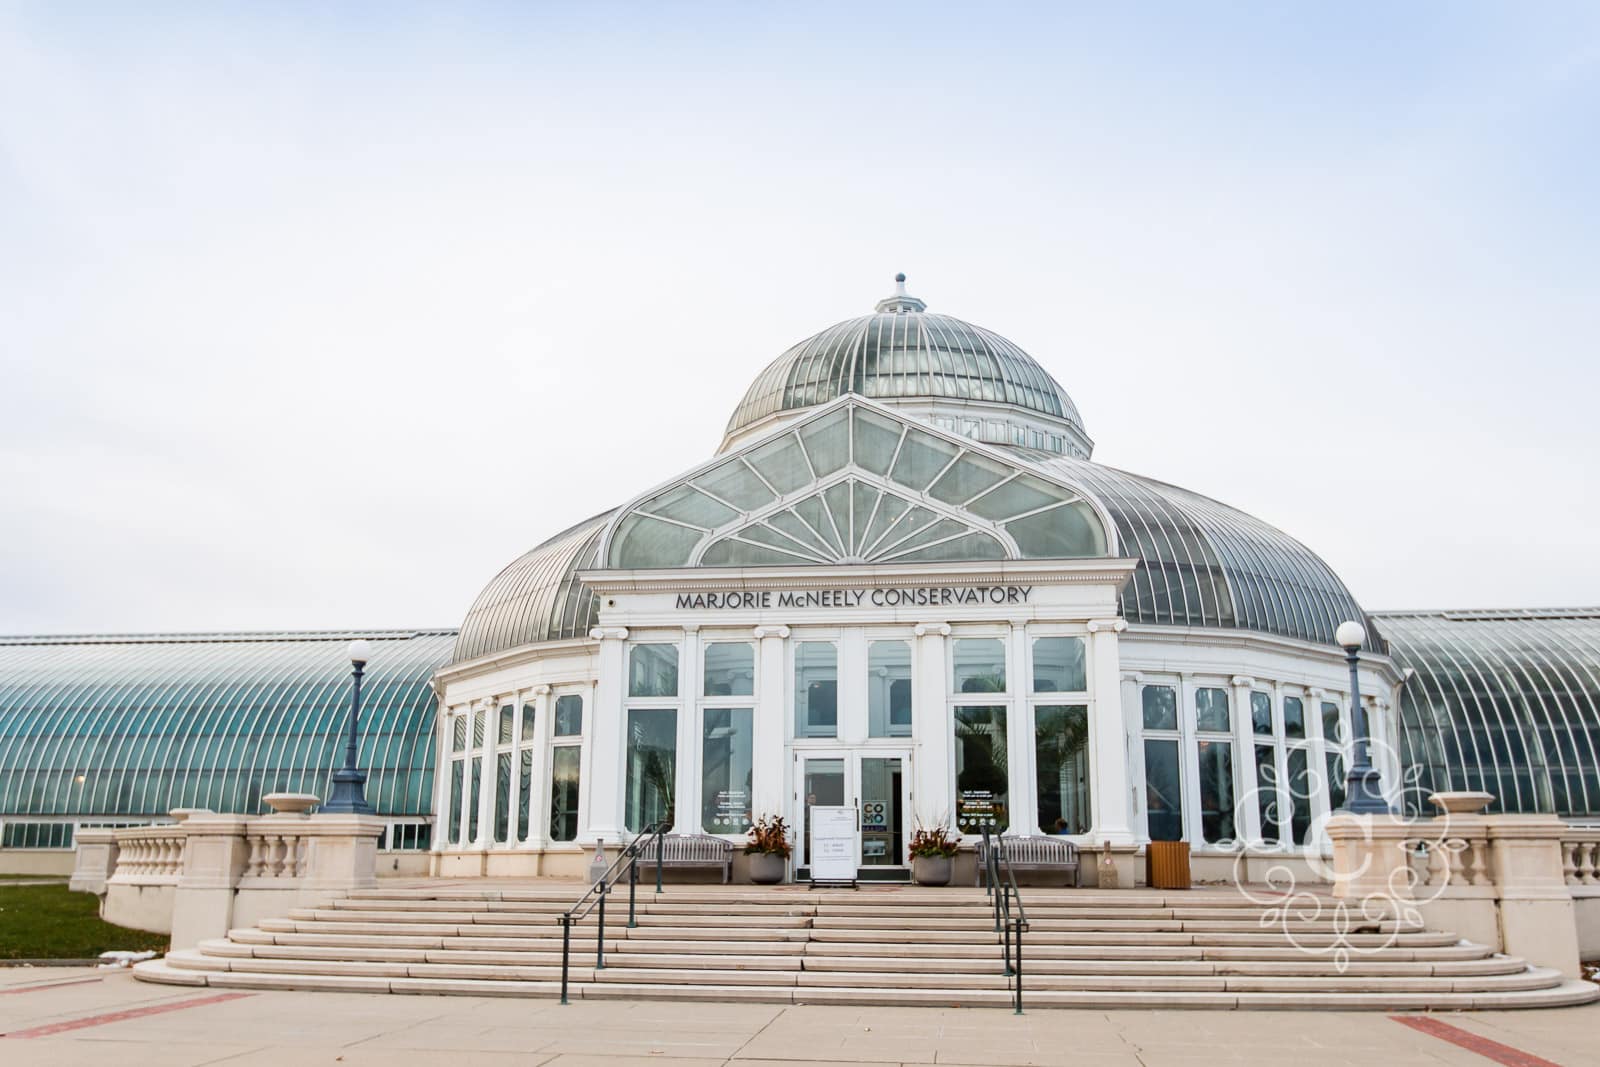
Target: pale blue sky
pixel 318 315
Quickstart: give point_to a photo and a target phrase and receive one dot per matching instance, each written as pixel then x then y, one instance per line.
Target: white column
pixel 489 709
pixel 1022 787
pixel 1108 767
pixel 771 727
pixel 853 688
pixel 1317 755
pixel 535 833
pixel 603 780
pixel 1247 807
pixel 933 780
pixel 1133 735
pixel 686 812
pixel 441 778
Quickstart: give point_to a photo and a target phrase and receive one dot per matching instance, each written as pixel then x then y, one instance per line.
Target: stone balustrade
pixel 275 855
pixel 149 855
pixel 198 878
pixel 1580 856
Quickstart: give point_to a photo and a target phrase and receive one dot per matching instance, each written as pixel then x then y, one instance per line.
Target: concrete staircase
pixel 879 945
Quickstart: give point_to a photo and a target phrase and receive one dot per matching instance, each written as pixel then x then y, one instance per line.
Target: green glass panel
pixel 815 512
pixel 508 717
pixel 936 531
pixel 966 478
pixel 863 498
pixel 1023 493
pixel 816 689
pixel 837 498
pixel 564 766
pixel 1162 791
pixel 730 669
pixel 1216 791
pixel 782 463
pixel 889 689
pixel 1294 717
pixel 922 457
pixel 1068 532
pixel 1059 665
pixel 1160 711
pixel 569 715
pixel 643 541
pixel 727 775
pixel 528 724
pixel 652 767
pixel 763 534
pixel 525 792
pixel 737 484
pixel 827 442
pixel 978 665
pixel 1331 728
pixel 790 523
pixel 653 670
pixel 502 798
pixel 687 504
pixel 876 439
pixel 1211 710
pixel 733 553
pixel 1061 754
pixel 967 547
pixel 1261 713
pixel 1267 793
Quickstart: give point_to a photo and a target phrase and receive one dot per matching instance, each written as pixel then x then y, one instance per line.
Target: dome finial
pixel 901 300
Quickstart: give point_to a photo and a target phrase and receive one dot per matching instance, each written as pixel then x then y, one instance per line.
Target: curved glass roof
pixel 902 352
pixel 855 484
pixel 1503 701
pixel 536 598
pixel 1205 564
pixel 139 725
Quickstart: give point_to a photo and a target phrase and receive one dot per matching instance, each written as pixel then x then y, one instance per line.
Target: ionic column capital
pixel 1115 626
pixel 1243 681
pixel 932 629
pixel 764 632
pixel 609 633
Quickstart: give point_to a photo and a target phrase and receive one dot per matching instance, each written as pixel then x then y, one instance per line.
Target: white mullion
pixel 929 544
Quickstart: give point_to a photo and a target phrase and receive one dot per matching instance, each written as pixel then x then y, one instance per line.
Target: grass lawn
pixel 48 922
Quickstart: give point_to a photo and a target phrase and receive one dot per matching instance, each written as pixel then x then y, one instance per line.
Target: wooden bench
pixel 1035 852
pixel 691 850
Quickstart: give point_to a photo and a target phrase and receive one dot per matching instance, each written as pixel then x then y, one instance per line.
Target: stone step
pixel 1557 992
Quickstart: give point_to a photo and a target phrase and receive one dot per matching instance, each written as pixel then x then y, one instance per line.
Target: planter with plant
pixel 933 851
pixel 768 850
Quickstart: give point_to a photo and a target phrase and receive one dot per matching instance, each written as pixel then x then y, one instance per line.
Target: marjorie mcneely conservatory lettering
pixel 921 596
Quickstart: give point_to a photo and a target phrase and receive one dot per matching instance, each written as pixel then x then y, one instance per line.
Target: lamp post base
pixel 349 797
pixel 1363 792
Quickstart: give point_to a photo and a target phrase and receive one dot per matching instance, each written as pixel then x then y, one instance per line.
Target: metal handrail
pixel 628 858
pixel 1003 892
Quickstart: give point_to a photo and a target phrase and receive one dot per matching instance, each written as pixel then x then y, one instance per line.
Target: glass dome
pixel 902 353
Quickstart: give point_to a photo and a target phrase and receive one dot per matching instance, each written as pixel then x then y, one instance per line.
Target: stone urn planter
pixel 931 870
pixel 291 803
pixel 1461 803
pixel 767 868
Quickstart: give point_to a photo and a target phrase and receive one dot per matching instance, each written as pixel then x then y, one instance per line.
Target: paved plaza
pixel 55 1016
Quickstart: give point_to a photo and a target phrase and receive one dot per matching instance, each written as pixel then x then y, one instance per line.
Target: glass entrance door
pixel 876 783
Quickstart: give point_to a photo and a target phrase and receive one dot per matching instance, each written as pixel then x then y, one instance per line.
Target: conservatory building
pixel 903 586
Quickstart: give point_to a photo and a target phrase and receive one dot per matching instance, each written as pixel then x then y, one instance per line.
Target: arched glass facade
pixel 135 726
pixel 536 598
pixel 1506 702
pixel 1202 563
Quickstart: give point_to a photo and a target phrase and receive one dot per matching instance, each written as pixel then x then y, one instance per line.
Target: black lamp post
pixel 349 796
pixel 1363 786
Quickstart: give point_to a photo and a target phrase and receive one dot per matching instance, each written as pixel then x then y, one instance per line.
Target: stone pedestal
pixel 1537 920
pixel 94 861
pixel 1370 862
pixel 214 858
